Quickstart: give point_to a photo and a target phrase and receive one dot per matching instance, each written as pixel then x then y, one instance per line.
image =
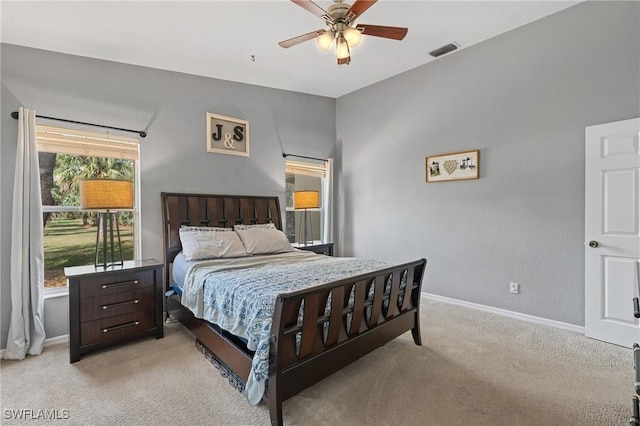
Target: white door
pixel 612 231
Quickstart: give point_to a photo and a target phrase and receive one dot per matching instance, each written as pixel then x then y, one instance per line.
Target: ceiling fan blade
pixel 310 6
pixel 358 8
pixel 395 33
pixel 301 38
pixel 344 61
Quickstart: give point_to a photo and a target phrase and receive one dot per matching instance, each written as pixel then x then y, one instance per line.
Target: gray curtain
pixel 26 327
pixel 328 202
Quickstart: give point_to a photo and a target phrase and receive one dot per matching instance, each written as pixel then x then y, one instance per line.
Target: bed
pixel 326 317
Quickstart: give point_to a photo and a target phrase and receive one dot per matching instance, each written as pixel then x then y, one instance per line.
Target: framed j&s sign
pixel 226 135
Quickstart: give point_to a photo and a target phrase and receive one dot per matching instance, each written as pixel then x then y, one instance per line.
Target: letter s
pixel 238 133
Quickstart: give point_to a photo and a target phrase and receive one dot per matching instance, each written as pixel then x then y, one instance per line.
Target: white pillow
pixel 200 243
pixel 261 240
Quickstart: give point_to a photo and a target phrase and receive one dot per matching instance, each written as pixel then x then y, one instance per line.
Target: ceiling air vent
pixel 444 49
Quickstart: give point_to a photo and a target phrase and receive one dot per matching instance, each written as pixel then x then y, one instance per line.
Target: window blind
pixel 309 169
pixel 68 141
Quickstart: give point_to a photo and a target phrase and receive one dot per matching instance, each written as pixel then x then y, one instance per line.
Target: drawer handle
pixel 117 327
pixel 636 307
pixel 115 305
pixel 122 284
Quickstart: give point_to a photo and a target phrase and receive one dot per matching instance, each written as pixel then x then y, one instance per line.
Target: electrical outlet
pixel 514 288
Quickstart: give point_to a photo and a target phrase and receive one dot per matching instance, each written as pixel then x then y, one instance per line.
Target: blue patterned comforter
pixel 240 294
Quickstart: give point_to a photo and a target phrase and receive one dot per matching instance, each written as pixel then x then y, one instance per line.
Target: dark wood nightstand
pixel 325 248
pixel 109 306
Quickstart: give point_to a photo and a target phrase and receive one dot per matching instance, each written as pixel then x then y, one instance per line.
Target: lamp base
pixel 306 223
pixel 105 228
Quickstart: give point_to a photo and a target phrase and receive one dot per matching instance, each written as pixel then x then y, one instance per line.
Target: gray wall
pixel 524 99
pixel 171 107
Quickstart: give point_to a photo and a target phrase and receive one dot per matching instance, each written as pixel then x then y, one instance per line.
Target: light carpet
pixel 474 368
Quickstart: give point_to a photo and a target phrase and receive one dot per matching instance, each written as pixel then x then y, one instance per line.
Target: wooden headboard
pixel 211 210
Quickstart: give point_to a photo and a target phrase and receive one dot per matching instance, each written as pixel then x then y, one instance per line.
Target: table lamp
pixel 305 200
pixel 107 196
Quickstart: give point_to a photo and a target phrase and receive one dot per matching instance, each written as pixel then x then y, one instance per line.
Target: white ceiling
pixel 218 38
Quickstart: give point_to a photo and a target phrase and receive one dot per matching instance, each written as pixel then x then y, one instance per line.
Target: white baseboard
pixel 58 340
pixel 511 314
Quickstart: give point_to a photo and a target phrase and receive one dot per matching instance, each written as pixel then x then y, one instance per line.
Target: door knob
pixel 593 244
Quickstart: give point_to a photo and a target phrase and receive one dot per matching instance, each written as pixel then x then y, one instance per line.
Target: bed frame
pixel 327 342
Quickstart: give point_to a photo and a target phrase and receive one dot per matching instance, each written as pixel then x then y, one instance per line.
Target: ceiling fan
pixel 340 18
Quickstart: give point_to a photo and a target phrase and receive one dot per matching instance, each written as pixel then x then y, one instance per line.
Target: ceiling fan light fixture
pixel 342 48
pixel 325 39
pixel 352 36
pixel 340 19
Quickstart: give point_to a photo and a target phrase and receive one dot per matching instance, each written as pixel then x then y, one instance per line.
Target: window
pixel 67 156
pixel 306 176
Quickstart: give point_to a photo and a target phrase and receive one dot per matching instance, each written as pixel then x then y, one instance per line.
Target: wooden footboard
pixel 341 322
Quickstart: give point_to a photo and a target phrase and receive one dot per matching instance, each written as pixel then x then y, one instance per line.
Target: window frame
pixel 311 169
pixel 137 217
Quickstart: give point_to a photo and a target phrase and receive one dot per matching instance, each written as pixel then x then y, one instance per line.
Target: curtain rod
pixel 303 156
pixel 142 133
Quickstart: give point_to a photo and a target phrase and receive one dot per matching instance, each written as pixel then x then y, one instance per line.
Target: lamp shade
pixel 352 36
pixel 306 199
pixel 325 39
pixel 96 194
pixel 342 48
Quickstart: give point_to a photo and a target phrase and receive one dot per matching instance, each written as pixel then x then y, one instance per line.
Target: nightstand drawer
pixel 108 329
pixel 120 283
pixel 117 304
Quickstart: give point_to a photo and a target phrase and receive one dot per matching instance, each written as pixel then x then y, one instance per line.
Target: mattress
pixel 180 268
